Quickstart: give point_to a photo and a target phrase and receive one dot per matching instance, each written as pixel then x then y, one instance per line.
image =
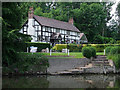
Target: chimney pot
pixel 30 13
pixel 71 21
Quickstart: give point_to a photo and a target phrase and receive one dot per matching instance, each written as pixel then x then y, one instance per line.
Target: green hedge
pixel 107 50
pixel 116 60
pixel 115 50
pixel 59 47
pixel 100 47
pixel 86 52
pixel 75 47
pixel 114 54
pixel 71 47
pixel 93 51
pixel 78 47
pixel 37 44
pixel 89 52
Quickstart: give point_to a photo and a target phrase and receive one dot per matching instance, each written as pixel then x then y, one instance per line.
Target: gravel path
pixel 57 64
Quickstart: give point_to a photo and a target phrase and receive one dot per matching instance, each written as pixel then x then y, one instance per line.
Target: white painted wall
pixel 31 30
pixel 21 31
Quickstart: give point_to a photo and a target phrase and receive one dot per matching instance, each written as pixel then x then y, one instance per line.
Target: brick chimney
pixel 30 13
pixel 71 21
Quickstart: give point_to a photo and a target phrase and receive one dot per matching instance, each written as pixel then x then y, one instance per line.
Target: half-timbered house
pixel 44 29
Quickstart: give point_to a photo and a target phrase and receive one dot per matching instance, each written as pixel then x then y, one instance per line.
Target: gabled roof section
pixel 83 37
pixel 55 23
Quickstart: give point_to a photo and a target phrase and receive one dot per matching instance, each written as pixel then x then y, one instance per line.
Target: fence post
pixel 50 52
pixel 68 52
pixel 27 49
pixel 104 51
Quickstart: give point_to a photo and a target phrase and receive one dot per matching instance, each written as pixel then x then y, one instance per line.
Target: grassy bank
pixel 27 63
pixel 71 54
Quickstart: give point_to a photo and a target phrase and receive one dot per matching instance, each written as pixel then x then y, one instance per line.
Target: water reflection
pixel 25 82
pixel 81 81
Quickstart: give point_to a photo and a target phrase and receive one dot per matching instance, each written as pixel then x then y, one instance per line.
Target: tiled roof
pixel 55 23
pixel 81 35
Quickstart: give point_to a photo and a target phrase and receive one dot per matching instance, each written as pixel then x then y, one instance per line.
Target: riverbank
pixel 74 66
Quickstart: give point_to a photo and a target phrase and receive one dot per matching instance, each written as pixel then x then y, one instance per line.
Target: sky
pixel 113 10
pixel 114 7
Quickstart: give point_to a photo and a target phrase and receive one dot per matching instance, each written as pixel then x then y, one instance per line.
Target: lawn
pixel 74 54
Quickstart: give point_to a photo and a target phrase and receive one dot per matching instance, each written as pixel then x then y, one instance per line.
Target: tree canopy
pixel 89 18
pixel 12 40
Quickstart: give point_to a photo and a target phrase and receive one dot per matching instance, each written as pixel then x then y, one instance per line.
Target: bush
pixel 37 44
pixel 75 47
pixel 107 50
pixel 93 51
pixel 86 52
pixel 78 47
pixel 59 47
pixel 28 62
pixel 100 40
pixel 115 50
pixel 116 60
pixel 118 41
pixel 71 47
pixel 101 47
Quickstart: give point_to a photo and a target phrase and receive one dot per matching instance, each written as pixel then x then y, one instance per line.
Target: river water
pixel 75 81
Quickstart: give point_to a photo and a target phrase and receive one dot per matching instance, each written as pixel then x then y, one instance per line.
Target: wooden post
pixel 50 52
pixel 27 50
pixel 104 51
pixel 68 52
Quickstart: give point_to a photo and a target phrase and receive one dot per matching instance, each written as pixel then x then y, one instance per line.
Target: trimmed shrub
pixel 93 51
pixel 101 47
pixel 115 50
pixel 54 48
pixel 78 47
pixel 86 52
pixel 107 50
pixel 118 41
pixel 59 47
pixel 116 60
pixel 75 47
pixel 37 44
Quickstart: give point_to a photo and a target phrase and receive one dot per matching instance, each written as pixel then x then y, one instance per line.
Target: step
pixel 64 72
pixel 89 65
pixel 100 60
pixel 101 64
pixel 75 70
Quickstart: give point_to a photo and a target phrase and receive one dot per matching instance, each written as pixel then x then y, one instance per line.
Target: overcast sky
pixel 113 10
pixel 114 6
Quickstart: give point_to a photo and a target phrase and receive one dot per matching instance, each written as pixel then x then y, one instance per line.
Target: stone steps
pixel 98 65
pixel 100 60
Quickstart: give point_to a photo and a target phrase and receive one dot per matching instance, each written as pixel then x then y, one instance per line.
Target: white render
pixel 34 26
pixel 31 30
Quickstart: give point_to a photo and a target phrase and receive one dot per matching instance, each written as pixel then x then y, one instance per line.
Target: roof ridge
pixel 45 21
pixel 54 19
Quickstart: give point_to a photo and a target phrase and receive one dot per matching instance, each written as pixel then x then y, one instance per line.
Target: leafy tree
pixel 90 18
pixel 118 13
pixel 12 39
